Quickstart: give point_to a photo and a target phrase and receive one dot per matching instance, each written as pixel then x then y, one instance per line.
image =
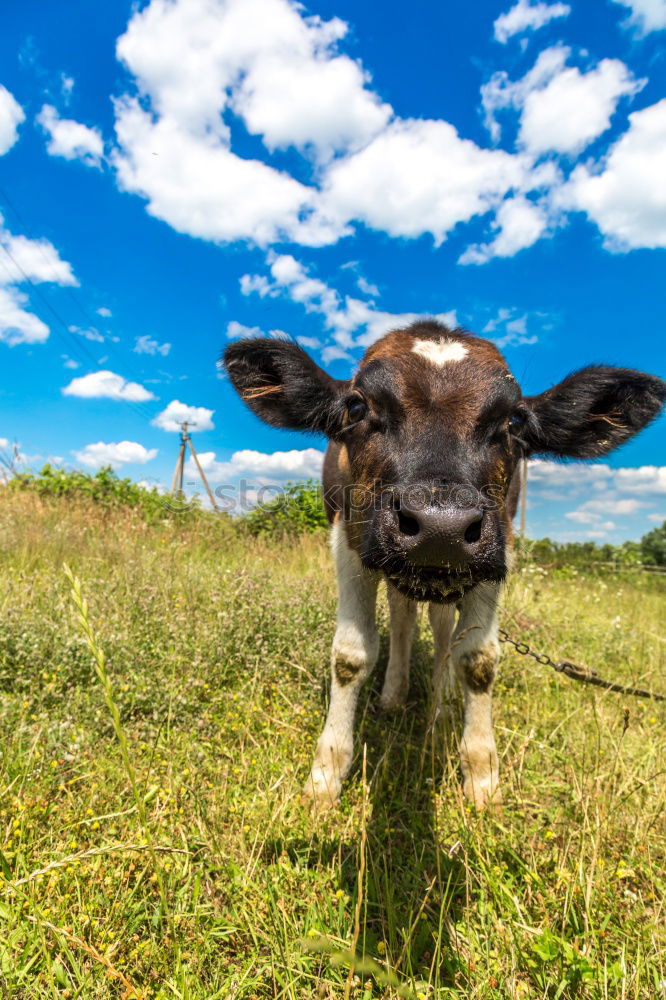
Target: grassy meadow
pixel 153 840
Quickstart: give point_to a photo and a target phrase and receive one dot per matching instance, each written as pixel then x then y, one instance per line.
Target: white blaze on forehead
pixel 439 352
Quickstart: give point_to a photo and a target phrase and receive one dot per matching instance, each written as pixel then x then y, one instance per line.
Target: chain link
pixel 584 674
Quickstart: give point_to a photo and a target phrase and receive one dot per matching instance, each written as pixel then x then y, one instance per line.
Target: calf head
pixel 425 442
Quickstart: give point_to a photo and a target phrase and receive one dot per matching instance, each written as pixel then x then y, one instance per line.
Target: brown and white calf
pixel 421 486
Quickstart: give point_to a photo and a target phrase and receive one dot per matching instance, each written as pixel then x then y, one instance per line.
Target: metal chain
pixel 577 673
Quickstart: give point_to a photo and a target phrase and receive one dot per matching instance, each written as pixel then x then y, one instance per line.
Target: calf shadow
pixel 415 885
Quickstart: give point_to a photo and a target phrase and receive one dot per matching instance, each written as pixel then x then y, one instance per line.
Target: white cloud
pixel 70 363
pixel 612 506
pixel 146 345
pixel 546 473
pixel 276 68
pixel 25 260
pixel 11 116
pixel 107 385
pixel 562 109
pixel 170 419
pixel 367 287
pixel 122 453
pixel 646 15
pixel 71 139
pixel 17 325
pixel 420 177
pixel 642 480
pixel 236 330
pixel 574 108
pixel 520 223
pixel 92 334
pixel 32 260
pixel 645 479
pixel 352 322
pixel 526 16
pixel 657 518
pixel 103 311
pixel 197 185
pixel 500 93
pixel 294 464
pixel 589 517
pixel 625 195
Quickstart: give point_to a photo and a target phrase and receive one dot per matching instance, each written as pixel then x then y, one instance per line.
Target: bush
pixel 104 488
pixel 300 508
pixel 653 546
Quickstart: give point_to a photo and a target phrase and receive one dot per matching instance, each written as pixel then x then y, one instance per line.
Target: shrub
pixel 300 508
pixel 104 488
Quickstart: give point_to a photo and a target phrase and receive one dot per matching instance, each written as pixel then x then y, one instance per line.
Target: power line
pixel 90 321
pixel 73 344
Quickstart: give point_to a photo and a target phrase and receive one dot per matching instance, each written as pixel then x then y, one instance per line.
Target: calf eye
pixel 356 409
pixel 517 421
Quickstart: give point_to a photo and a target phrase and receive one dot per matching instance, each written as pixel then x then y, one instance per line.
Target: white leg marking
pixel 396 681
pixel 442 618
pixel 354 654
pixel 475 652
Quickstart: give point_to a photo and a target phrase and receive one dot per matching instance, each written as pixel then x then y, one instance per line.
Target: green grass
pixel 156 776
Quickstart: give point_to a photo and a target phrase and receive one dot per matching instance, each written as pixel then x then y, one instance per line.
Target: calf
pixel 421 486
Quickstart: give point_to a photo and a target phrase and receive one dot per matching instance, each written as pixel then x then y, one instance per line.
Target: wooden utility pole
pixel 177 482
pixel 523 496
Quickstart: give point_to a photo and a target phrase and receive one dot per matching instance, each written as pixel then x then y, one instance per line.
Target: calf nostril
pixel 473 531
pixel 407 525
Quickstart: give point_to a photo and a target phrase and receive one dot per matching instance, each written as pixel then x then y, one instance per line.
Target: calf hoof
pixel 483 793
pixel 321 791
pixel 392 703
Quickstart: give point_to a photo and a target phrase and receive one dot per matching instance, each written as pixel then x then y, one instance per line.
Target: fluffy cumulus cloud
pixel 646 479
pixel 107 385
pixel 625 494
pixel 510 329
pixel 71 139
pixel 24 261
pixel 645 15
pixel 11 116
pixel 147 345
pixel 420 177
pixel 194 60
pixel 114 454
pixel 574 108
pixel 519 224
pixel 18 325
pixel 562 109
pixel 176 413
pixel 282 73
pixel 198 68
pixel 526 16
pixel 625 194
pixel 264 467
pixel 352 323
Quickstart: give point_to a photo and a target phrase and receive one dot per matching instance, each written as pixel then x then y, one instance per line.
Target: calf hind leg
pixel 396 682
pixel 353 656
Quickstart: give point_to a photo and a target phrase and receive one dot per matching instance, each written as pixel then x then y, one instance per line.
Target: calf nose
pixel 436 536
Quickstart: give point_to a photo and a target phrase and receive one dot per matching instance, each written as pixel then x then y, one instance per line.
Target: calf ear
pixel 283 385
pixel 592 411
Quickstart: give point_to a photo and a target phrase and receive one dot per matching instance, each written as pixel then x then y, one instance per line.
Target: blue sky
pixel 174 174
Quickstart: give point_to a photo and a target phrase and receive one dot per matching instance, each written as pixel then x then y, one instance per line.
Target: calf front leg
pixel 396 682
pixel 354 654
pixel 474 653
